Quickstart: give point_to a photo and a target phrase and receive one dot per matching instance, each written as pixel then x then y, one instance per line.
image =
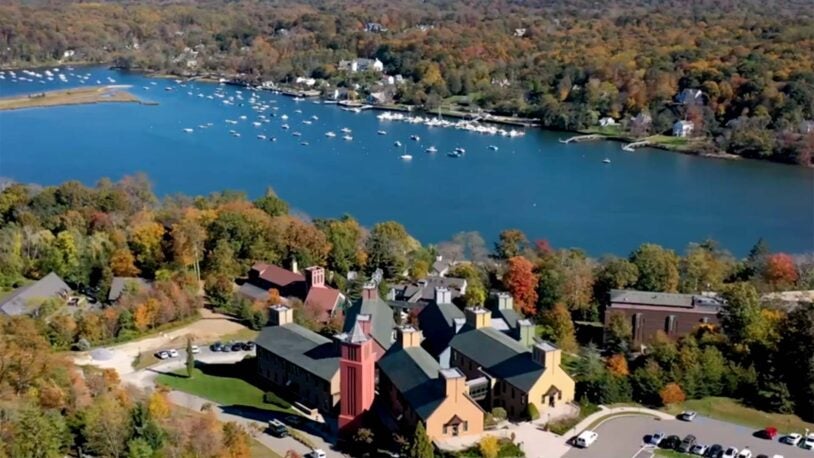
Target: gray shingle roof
pixel 302 348
pixel 424 290
pixel 253 292
pixel 649 298
pixel 414 373
pixel 19 302
pixel 499 355
pixel 382 322
pixel 119 283
pixel 437 322
pixel 510 316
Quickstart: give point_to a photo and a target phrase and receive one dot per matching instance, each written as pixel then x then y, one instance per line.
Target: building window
pixel 466 426
pixel 514 393
pixel 638 325
pixel 670 325
pixel 445 429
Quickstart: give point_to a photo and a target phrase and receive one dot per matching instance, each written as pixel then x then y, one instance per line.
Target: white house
pixel 807 127
pixel 361 65
pixel 607 121
pixel 520 32
pixel 691 97
pixel 306 81
pixel 682 128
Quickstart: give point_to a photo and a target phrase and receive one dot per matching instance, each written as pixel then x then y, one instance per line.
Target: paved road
pixel 622 437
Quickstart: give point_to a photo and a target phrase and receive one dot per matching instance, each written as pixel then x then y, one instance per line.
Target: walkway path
pixel 615 412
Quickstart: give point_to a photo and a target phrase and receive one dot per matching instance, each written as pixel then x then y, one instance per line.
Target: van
pixel 585 439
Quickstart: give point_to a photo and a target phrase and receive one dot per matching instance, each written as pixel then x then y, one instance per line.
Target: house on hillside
pixel 27 299
pixel 683 129
pixel 423 291
pixel 607 121
pixel 690 97
pixel 375 27
pixel 121 284
pixel 521 32
pixel 361 65
pixel 673 314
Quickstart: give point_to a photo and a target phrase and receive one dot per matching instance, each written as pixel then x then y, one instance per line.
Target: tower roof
pixel 357 336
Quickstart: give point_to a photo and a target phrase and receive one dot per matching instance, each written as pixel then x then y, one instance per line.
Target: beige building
pixel 416 389
pixel 298 361
pixel 502 372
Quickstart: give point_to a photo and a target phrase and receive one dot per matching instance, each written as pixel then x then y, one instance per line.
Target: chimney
pixel 443 295
pixel 478 317
pixel 525 332
pixel 370 292
pixel 314 277
pixel 408 336
pixel 364 322
pixel 439 258
pixel 546 355
pixel 294 267
pixel 454 383
pixel 280 315
pixel 459 323
pixel 505 301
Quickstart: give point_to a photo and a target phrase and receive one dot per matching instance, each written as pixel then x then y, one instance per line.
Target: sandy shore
pixel 73 96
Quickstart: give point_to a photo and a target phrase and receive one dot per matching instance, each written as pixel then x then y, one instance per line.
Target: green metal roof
pixel 381 315
pixel 414 373
pixel 301 347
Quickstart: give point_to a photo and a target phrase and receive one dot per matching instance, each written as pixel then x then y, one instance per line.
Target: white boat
pixel 284 126
pixel 306 122
pixel 493 147
pixel 606 161
pixel 330 134
pixel 406 157
pixel 397 143
pixel 189 130
pixel 454 154
pixel 304 143
pixel 296 134
pixel 345 130
pixel 348 137
pixel 415 137
pixel 235 134
pixel 256 124
pixel 298 111
pixel 314 117
pixel 285 116
pixel 432 149
pixel 460 150
pixel 381 132
pixel 261 137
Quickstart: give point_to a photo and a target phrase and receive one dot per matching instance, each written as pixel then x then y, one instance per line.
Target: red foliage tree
pixel 521 281
pixel 780 270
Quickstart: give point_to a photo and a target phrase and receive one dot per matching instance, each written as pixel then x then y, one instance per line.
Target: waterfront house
pixel 414 388
pixel 503 372
pixel 361 65
pixel 520 32
pixel 423 292
pixel 683 129
pixel 607 121
pixel 27 299
pixel 441 266
pixel 673 314
pixel 375 27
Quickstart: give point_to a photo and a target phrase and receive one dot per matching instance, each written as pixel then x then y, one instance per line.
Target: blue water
pixel 563 193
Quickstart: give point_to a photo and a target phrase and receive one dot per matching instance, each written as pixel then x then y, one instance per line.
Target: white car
pixel 162 355
pixel 656 438
pixel 687 415
pixel 730 452
pixel 316 453
pixel 195 349
pixel 585 439
pixel 745 453
pixel 699 449
pixel 173 353
pixel 808 443
pixel 792 439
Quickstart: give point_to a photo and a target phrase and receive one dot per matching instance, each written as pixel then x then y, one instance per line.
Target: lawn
pixel 225 384
pixel 259 450
pixel 669 453
pixel 733 411
pixel 561 427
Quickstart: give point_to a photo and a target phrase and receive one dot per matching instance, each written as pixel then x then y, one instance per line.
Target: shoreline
pixel 82 95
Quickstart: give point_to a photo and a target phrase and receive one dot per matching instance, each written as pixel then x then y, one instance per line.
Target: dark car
pixel 686 444
pixel 762 456
pixel 237 346
pixel 277 428
pixel 226 348
pixel 670 442
pixel 248 346
pixel 715 451
pixel 217 346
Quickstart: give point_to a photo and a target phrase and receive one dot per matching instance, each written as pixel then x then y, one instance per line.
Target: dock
pixel 583 138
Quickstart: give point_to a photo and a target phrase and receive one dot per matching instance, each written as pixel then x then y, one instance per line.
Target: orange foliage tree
pixel 521 281
pixel 617 365
pixel 780 271
pixel 122 263
pixel 672 394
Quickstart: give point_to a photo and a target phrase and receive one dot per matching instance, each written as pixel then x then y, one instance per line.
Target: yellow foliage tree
pixel 489 447
pixel 122 263
pixel 158 405
pixel 235 441
pixel 144 315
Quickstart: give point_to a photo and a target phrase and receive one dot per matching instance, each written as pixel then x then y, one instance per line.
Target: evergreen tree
pixel 190 358
pixel 421 446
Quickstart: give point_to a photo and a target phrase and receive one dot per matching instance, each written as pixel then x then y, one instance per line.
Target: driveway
pixel 622 437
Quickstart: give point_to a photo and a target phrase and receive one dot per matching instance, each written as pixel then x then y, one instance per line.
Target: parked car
pixel 173 353
pixel 699 449
pixel 195 349
pixel 217 346
pixel 715 451
pixel 792 439
pixel 656 438
pixel 808 442
pixel 226 348
pixel 686 444
pixel 745 453
pixel 585 439
pixel 249 345
pixel 277 428
pixel 687 415
pixel 730 452
pixel 316 453
pixel 162 355
pixel 237 346
pixel 768 432
pixel 294 420
pixel 670 442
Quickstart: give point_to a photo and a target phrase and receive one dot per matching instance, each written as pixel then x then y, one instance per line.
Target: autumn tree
pixel 271 204
pixel 558 323
pixel 613 273
pixel 489 446
pixel 779 271
pixel 671 394
pixel 236 440
pixel 107 427
pixel 703 268
pixel 511 243
pixel 39 434
pixel 521 281
pixel 618 333
pixel 387 247
pixel 617 365
pixel 658 268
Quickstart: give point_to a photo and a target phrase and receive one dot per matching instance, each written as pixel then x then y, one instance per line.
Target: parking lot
pixel 623 437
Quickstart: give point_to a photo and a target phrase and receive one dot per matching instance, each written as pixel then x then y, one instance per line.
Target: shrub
pixel 489 447
pixel 82 345
pixel 499 413
pixel 532 412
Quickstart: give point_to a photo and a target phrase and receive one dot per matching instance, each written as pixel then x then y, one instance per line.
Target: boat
pixel 314 117
pixel 261 137
pixel 406 157
pixel 415 137
pixel 432 149
pixel 345 130
pixel 188 130
pixel 397 143
pixel 606 161
pixel 256 124
pixel 284 117
pixel 284 126
pixel 381 132
pixel 347 137
pixel 296 134
pixel 330 134
pixel 304 143
pixel 460 150
pixel 243 117
pixel 235 134
pixel 306 122
pixel 493 147
pixel 454 154
pixel 273 139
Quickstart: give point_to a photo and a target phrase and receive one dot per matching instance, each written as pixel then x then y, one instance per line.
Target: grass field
pixel 733 411
pixel 225 384
pixel 76 96
pixel 259 450
pixel 669 453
